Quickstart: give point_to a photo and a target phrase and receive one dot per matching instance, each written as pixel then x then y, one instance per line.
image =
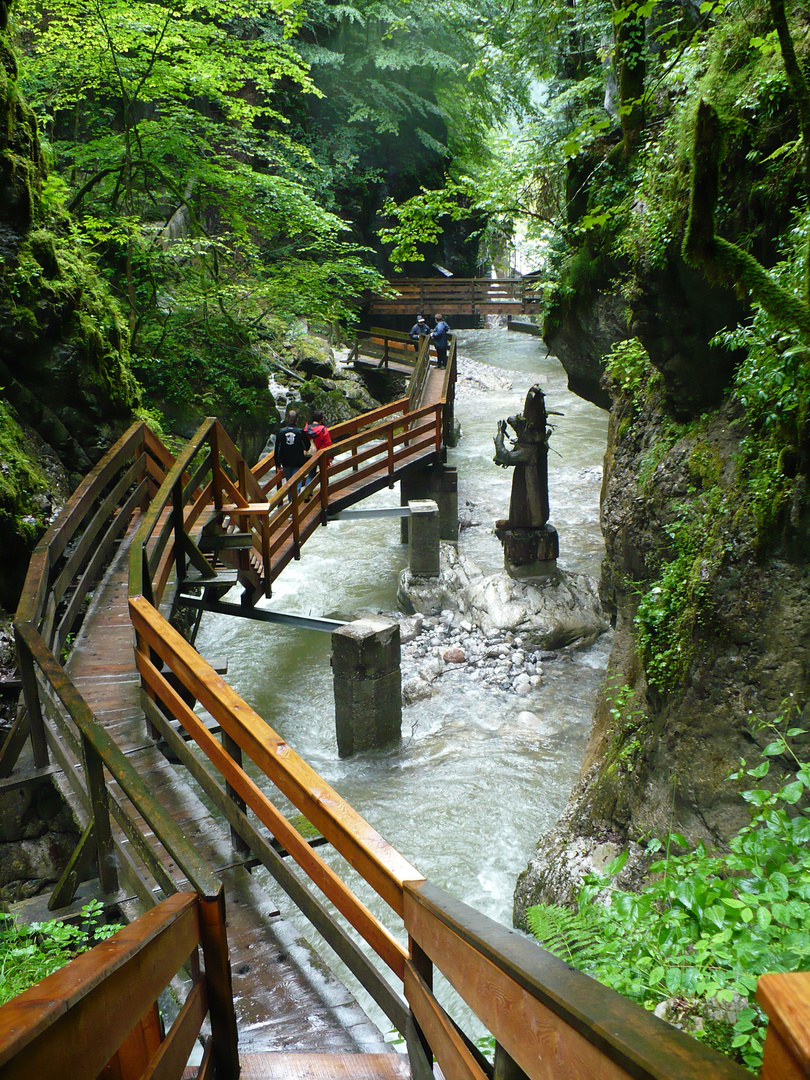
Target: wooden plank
pixel 319 872
pixel 137 791
pixel 270 856
pixel 447 1045
pixel 78 862
pixel 550 1019
pixel 176 1048
pixel 297 1066
pixel 117 526
pixel 15 740
pixel 224 1037
pixel 27 778
pixel 94 526
pixel 785 997
pixel 33 707
pixel 65 1025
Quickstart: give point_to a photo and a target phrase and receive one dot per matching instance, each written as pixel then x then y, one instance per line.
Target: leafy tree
pixel 164 123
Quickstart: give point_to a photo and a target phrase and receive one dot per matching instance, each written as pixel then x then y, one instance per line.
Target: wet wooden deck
pixel 286 997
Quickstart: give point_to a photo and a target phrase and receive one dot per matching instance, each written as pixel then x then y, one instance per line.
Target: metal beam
pixel 380 512
pixel 223 607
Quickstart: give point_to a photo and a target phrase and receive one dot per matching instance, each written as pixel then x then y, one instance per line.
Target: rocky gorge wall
pixel 731 643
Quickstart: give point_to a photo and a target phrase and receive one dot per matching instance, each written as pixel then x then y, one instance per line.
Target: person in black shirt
pixel 292 446
pixel 419 330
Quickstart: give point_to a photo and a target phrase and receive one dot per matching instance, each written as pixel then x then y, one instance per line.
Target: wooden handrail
pixel 159 820
pixel 554 1022
pixel 76 1022
pixel 361 845
pixel 785 997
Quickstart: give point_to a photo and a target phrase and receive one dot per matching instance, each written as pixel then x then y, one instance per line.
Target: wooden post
pixel 424 968
pixel 97 790
pixel 220 987
pixel 296 524
pixel 323 469
pixel 179 530
pixel 235 751
pixel 390 455
pixel 785 997
pixel 216 468
pixel 36 725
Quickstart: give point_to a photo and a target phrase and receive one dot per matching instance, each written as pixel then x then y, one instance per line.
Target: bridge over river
pixel 168 769
pixel 471 297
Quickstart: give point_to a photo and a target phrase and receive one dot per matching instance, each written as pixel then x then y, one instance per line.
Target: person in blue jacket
pixel 439 338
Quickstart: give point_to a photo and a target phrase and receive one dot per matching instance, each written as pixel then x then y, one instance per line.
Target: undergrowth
pixel 29 953
pixel 707 924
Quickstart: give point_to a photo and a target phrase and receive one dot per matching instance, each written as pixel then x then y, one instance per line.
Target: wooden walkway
pixel 460 296
pixel 286 998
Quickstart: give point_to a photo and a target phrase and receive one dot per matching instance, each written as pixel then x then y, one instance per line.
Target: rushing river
pixel 471 787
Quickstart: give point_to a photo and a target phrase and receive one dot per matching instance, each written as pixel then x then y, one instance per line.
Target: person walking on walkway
pixel 439 338
pixel 419 330
pixel 319 435
pixel 292 446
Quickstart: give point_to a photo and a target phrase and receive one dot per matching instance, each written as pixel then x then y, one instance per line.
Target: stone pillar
pixel 439 483
pixel 423 542
pixel 445 491
pixel 368 685
pixel 413 485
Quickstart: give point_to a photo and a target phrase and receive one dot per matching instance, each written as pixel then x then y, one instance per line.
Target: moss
pixel 21 481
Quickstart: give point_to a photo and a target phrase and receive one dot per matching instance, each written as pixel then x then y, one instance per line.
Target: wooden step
pixel 231 541
pixel 222 579
pixel 284 1066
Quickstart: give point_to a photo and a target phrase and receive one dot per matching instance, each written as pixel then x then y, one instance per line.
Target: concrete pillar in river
pixel 368 685
pixel 423 539
pixel 439 483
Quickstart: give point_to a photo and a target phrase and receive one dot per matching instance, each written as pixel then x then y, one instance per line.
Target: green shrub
pixel 707 924
pixel 30 953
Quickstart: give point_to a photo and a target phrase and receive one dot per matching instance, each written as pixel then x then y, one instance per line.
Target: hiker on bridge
pixel 419 330
pixel 438 336
pixel 319 434
pixel 292 446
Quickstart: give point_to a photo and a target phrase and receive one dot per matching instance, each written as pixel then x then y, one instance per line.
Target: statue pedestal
pixel 529 553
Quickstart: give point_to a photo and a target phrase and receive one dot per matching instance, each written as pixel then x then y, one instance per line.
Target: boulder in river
pixel 561 610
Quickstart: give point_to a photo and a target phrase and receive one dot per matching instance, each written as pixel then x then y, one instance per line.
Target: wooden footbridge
pixel 475 297
pixel 115 699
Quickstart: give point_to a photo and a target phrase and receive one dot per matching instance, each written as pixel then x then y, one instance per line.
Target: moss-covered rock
pixel 63 347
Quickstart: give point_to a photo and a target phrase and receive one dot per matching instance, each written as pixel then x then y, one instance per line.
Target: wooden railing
pixel 98 1015
pixel 383 345
pixel 67 562
pixel 454 295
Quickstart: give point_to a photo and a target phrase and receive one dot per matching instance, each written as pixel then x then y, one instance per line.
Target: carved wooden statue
pixel 530 544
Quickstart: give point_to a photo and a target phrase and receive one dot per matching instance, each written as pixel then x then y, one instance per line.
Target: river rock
pixel 550 614
pixel 564 610
pixel 432 596
pixel 410 628
pixel 415 689
pixel 454 656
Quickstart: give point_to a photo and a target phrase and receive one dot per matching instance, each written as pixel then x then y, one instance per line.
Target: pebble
pixel 454 656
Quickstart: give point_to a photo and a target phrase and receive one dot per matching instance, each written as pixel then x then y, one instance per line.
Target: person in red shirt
pixel 319 434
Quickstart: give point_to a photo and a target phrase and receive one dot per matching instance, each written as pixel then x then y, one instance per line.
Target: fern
pixel 565 933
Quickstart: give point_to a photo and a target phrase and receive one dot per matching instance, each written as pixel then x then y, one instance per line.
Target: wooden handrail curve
pixel 552 1021
pixel 100 1009
pixel 359 843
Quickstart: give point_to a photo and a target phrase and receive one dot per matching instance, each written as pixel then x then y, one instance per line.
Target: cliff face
pixel 63 348
pixel 738 649
pixel 705 506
